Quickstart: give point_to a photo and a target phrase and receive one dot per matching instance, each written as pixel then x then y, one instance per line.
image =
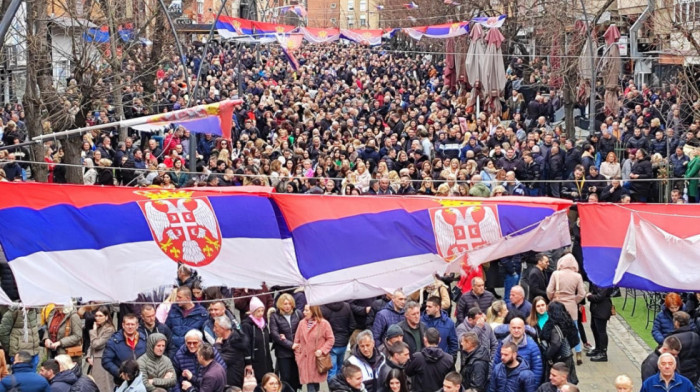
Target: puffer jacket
pixel 185 360
pixel 63 381
pixel 135 386
pixel 448 334
pixel 12 334
pixel 663 325
pixel 529 351
pixel 117 351
pixel 339 315
pixel 338 384
pixel 428 368
pixel 234 352
pixel 24 377
pixel 475 369
pixel 180 324
pixel 279 326
pixel 385 318
pixel 154 367
pixel 520 379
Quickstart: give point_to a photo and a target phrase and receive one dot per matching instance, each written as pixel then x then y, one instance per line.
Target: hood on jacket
pixel 432 354
pixel 390 305
pixel 153 339
pixel 521 366
pixel 568 261
pixel 480 354
pixel 66 376
pixel 338 383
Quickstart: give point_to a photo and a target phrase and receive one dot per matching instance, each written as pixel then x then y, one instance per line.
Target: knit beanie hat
pixel 255 304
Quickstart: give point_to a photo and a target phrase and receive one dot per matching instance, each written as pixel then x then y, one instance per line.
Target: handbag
pixel 249 382
pixel 75 351
pixel 323 363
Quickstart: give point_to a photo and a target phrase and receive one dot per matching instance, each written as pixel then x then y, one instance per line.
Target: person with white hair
pixel 667 380
pixel 232 344
pixel 185 359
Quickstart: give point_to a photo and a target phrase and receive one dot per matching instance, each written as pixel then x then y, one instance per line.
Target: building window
pixel 687 11
pixel 363 5
pixel 351 5
pixel 200 7
pixel 363 20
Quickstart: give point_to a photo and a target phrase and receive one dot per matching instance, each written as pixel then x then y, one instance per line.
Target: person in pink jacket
pixel 566 286
pixel 314 338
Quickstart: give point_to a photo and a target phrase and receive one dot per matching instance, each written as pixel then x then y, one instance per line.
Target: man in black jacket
pixel 537 278
pixel 601 310
pixel 349 380
pixel 650 365
pixel 232 345
pixel 149 324
pixel 476 363
pixel 429 366
pixel 689 356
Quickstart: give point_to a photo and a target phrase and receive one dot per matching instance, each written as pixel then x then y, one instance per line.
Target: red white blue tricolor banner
pixel 644 246
pixel 111 243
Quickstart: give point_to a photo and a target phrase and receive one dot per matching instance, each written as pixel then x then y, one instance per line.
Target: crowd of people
pixel 215 339
pixel 357 121
pixel 367 121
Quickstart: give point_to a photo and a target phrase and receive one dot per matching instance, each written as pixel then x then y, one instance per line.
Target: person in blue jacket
pixel 667 380
pixel 185 316
pixel 24 377
pixel 127 343
pixel 437 318
pixel 392 313
pixel 526 348
pixel 512 373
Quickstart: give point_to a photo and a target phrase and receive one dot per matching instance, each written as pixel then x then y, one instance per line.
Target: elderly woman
pixel 256 329
pixel 314 338
pixel 566 286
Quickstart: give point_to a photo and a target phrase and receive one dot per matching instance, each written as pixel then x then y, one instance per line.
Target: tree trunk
pixel 36 26
pixel 115 64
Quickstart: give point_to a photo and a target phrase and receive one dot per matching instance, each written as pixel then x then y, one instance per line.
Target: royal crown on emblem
pixel 461 228
pixel 185 228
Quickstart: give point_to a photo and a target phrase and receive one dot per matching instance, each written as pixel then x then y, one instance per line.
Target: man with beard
pixel 513 373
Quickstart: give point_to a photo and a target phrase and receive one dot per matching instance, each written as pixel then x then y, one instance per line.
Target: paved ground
pixel 626 351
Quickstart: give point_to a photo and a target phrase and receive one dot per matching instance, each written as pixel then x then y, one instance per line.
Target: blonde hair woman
pixel 610 168
pixel 496 313
pixel 284 322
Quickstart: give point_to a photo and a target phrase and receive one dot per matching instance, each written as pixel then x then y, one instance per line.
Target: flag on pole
pixel 411 6
pixel 289 43
pixel 215 118
pixel 380 7
pixel 363 37
pixel 490 22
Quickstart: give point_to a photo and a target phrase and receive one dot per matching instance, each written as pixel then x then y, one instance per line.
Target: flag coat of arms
pixel 112 243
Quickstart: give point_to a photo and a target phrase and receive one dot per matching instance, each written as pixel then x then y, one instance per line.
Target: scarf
pixel 542 319
pixel 260 322
pixel 55 324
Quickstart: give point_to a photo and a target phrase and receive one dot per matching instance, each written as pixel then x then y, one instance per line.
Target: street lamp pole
pixel 591 104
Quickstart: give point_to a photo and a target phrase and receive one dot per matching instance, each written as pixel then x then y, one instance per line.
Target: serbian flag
pixel 411 6
pixel 320 36
pixel 490 21
pixel 215 118
pixel 349 245
pixel 380 7
pixel 363 37
pixel 109 244
pixel 290 43
pixel 443 31
pixel 264 29
pixel 652 247
pixel 229 27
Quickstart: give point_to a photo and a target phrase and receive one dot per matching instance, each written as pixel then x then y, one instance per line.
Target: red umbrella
pixel 556 79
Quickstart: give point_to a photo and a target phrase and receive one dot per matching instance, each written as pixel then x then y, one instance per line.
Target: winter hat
pixel 255 304
pixel 393 331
